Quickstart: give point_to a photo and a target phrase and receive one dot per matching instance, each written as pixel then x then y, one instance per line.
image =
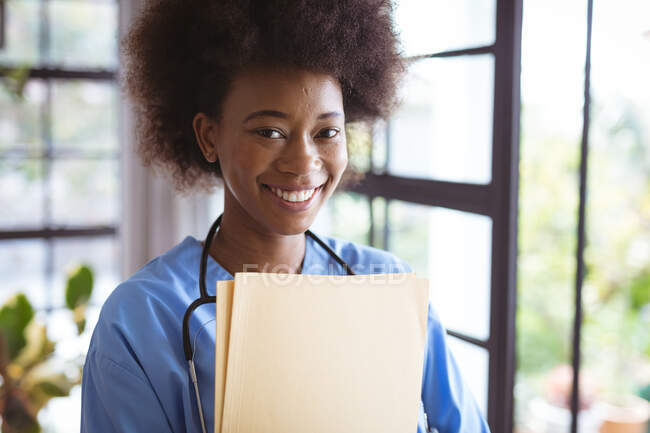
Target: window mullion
pixel 580 265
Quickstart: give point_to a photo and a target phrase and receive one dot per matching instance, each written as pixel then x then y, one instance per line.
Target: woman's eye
pixel 269 133
pixel 328 133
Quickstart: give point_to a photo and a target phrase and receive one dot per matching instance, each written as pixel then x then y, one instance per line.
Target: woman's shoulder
pixel 148 306
pixel 363 259
pixel 167 280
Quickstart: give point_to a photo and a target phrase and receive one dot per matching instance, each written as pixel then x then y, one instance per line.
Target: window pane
pixel 22 269
pixel 84 192
pixel 84 117
pixel 21 33
pixel 379 215
pixel 616 329
pixel 345 216
pixel 20 123
pixel 473 364
pixel 427 27
pixel 379 147
pixel 21 193
pixel 553 65
pixel 100 253
pixel 453 249
pixel 408 234
pixel 84 34
pixel 443 129
pixel 359 140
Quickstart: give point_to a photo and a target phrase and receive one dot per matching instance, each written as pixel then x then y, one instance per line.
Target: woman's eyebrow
pixel 266 113
pixel 330 114
pixel 281 115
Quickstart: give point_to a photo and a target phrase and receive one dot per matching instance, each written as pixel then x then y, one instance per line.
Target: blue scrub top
pixel 135 378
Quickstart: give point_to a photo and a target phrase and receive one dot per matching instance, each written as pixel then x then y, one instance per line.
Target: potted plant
pixel 30 376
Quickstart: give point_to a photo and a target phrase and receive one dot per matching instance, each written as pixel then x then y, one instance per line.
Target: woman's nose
pixel 300 156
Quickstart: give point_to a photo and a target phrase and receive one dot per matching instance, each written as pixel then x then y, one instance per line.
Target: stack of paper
pixel 318 353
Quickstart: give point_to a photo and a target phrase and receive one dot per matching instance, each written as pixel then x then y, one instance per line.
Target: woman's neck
pixel 241 246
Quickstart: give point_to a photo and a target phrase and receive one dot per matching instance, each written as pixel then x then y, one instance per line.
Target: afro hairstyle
pixel 180 56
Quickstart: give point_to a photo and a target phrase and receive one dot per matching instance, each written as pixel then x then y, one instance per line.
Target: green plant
pixel 14 80
pixel 29 375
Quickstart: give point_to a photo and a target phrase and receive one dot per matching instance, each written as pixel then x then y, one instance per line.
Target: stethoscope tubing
pixel 204 298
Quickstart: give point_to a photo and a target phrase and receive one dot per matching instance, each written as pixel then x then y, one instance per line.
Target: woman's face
pixel 281 145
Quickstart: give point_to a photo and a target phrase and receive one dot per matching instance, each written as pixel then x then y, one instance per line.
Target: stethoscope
pixel 204 298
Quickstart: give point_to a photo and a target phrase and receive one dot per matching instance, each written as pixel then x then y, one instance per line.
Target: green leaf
pixel 15 80
pixel 54 389
pixel 79 286
pixel 15 315
pixel 640 291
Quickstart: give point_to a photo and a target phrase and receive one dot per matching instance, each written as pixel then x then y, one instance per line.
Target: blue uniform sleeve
pixel 448 403
pixel 116 399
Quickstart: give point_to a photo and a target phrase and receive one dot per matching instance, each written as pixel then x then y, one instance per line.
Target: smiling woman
pixel 280 137
pixel 282 152
pixel 255 94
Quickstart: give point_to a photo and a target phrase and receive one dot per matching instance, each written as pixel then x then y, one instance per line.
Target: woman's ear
pixel 205 131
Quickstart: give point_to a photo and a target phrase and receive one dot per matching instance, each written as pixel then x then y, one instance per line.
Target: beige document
pixel 321 353
pixel 224 311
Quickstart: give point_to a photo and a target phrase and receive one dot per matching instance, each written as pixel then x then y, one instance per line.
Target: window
pixel 442 193
pixel 440 188
pixel 584 261
pixel 59 161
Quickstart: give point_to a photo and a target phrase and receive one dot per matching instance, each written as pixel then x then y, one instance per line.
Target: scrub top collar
pixel 215 272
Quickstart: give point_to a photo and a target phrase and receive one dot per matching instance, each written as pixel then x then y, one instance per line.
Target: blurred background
pixel 475 182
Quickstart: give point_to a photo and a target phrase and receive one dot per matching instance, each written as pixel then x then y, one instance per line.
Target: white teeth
pixel 293 196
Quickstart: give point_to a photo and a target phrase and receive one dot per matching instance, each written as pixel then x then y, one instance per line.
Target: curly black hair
pixel 180 57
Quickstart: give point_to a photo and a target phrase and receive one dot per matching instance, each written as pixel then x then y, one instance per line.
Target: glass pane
pixel 379 215
pixel 552 70
pixel 359 139
pixel 84 117
pixel 84 192
pixel 453 249
pixel 100 253
pixel 616 330
pixel 84 34
pixel 443 129
pixel 426 27
pixel 21 33
pixel 20 123
pixel 379 146
pixel 21 193
pixel 345 216
pixel 473 362
pixel 408 234
pixel 22 269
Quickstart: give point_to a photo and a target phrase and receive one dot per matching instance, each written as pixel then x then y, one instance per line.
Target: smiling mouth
pixel 293 195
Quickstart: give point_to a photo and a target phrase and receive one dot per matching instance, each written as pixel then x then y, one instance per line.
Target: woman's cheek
pixel 340 160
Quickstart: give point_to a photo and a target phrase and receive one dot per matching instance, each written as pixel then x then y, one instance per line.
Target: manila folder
pixel 325 354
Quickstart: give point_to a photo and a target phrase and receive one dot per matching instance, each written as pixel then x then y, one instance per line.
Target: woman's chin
pixel 293 225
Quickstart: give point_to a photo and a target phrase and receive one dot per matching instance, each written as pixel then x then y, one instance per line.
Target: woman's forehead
pixel 288 90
